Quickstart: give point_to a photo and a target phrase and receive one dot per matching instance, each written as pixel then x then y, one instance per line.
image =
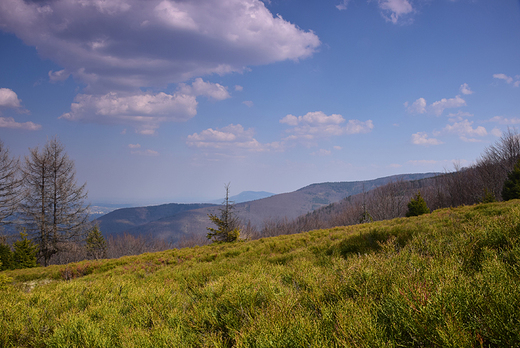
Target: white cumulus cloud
pixel 437 108
pixel 317 125
pixel 417 107
pixel 9 99
pixel 199 87
pixel 421 138
pixel 144 111
pixel 129 44
pixel 465 130
pixel 464 89
pixel 393 10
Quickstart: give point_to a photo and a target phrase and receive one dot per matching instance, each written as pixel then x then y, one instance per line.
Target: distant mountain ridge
pixel 246 196
pixel 173 221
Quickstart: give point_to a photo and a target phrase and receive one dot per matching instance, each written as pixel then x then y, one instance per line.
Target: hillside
pixel 125 219
pixel 446 279
pixel 246 196
pixel 174 225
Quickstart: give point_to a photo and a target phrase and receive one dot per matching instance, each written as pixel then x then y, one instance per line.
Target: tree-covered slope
pixel 446 279
pixel 188 220
pixel 125 219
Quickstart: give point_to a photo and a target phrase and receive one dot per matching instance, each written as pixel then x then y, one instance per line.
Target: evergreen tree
pixel 488 197
pixel 417 206
pixel 6 256
pixel 365 217
pixel 25 251
pixel 511 188
pixel 96 244
pixel 228 224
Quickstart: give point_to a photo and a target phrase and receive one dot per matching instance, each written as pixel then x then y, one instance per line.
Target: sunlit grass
pixel 447 279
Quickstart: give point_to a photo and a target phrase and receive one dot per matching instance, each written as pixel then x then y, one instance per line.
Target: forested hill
pixel 175 221
pixel 125 219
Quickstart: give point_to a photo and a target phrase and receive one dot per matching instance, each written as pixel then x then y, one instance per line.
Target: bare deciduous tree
pixel 9 185
pixel 53 206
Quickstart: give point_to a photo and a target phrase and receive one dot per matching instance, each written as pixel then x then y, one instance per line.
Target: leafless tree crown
pixel 52 206
pixel 9 185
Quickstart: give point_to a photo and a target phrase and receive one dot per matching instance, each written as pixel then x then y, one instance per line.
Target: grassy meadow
pixel 445 279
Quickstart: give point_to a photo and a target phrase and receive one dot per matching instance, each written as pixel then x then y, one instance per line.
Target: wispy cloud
pixel 505 120
pixel 464 89
pixel 9 122
pixel 343 5
pixel 232 138
pixel 58 76
pixel 421 138
pixel 151 153
pixel 508 79
pixel 321 153
pixel 445 163
pixel 459 115
pixel 496 132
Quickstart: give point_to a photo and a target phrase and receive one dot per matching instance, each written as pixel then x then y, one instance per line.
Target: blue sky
pixel 168 100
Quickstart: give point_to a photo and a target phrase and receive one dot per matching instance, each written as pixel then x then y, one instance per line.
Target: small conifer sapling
pixel 417 206
pixel 24 255
pixel 511 188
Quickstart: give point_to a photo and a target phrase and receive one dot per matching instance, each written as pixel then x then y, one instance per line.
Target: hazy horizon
pixel 168 100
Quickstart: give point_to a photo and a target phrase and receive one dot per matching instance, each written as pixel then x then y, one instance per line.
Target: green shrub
pixel 511 189
pixel 24 255
pixel 417 206
pixel 6 257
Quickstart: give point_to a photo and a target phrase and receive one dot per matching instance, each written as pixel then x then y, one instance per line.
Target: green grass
pixel 446 279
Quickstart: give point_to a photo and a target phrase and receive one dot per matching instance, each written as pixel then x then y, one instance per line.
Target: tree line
pixel 40 198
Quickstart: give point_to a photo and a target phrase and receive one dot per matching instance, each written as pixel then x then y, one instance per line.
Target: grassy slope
pixel 450 278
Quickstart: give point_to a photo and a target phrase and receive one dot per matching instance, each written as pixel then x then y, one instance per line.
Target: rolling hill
pixel 173 221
